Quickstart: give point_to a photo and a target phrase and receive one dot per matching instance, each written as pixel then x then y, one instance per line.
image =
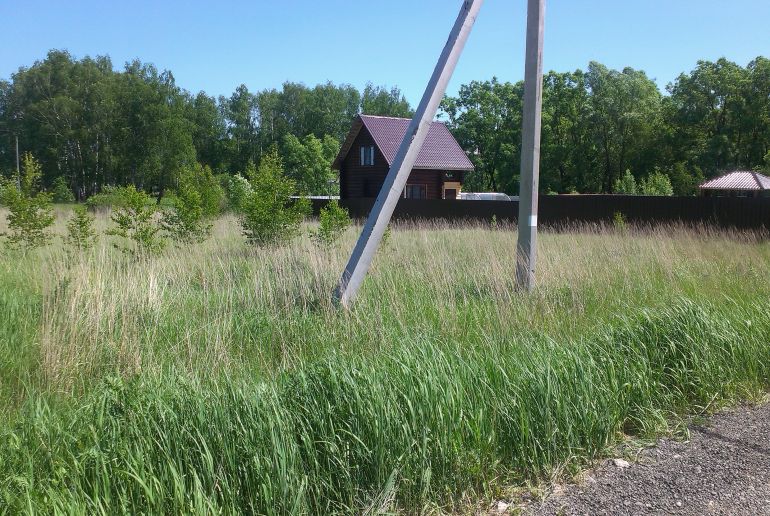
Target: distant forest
pixel 91 126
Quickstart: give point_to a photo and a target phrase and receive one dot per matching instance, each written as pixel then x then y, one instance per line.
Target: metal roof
pixel 439 152
pixel 738 180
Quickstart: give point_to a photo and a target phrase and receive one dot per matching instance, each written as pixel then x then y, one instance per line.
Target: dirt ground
pixel 724 468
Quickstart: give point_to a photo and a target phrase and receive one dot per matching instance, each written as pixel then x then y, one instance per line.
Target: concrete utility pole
pixel 392 189
pixel 530 147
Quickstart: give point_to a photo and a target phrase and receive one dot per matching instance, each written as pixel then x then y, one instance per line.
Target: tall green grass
pixel 421 425
pixel 214 379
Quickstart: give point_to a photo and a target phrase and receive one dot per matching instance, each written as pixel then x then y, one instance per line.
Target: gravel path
pixel 723 469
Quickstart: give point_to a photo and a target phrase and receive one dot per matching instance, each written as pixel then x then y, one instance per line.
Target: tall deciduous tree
pixel 308 162
pixel 625 114
pixel 380 101
pixel 485 118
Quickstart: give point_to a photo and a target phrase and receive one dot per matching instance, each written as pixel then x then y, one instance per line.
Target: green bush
pixel 333 221
pixel 202 180
pixel 626 184
pixel 136 222
pixel 185 221
pixel 269 215
pixel 112 197
pixel 30 214
pixel 80 230
pixel 619 221
pixel 656 183
pixel 61 191
pixel 4 184
pixel 237 189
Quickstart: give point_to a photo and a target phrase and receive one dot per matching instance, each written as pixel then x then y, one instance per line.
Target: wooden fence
pixel 555 210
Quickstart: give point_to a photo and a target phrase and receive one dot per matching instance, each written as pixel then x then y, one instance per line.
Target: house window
pixel 367 156
pixel 416 192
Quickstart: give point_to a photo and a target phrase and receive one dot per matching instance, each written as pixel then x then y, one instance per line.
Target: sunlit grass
pixel 221 378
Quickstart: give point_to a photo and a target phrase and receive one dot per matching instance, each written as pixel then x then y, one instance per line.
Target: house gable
pixel 440 151
pixel 437 174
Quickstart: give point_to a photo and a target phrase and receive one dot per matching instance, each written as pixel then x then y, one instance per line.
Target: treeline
pixel 94 126
pixel 600 123
pixel 91 126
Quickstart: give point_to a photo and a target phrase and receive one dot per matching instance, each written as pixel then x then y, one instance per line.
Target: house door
pixel 451 189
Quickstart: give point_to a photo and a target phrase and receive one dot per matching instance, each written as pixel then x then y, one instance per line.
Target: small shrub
pixel 493 223
pixel 29 211
pixel 626 184
pixel 269 215
pixel 656 183
pixel 237 189
pixel 80 230
pixel 185 220
pixel 202 180
pixel 61 191
pixel 137 223
pixel 619 221
pixel 111 197
pixel 333 221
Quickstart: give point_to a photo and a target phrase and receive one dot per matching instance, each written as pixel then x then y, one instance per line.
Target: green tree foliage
pixel 30 214
pixel 684 180
pixel 309 163
pixel 61 191
pixel 185 221
pixel 136 223
pixel 109 198
pixel 198 197
pixel 656 183
pixel 269 215
pixel 624 115
pixel 598 123
pixel 566 137
pixel 380 101
pixel 486 120
pixel 626 184
pixel 97 126
pixel 81 235
pixel 237 189
pixel 333 221
pixel 706 109
pixel 208 187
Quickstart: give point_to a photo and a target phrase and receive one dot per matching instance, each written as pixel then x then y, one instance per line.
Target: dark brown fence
pixel 564 209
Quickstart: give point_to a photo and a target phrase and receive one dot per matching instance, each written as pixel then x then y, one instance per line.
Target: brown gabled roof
pixel 439 152
pixel 738 180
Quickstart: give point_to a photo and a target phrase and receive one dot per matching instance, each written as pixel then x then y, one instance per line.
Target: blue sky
pixel 215 46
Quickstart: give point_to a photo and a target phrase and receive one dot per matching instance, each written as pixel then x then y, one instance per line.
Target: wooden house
pixel 371 146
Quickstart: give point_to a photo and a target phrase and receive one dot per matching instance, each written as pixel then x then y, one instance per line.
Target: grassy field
pixel 221 379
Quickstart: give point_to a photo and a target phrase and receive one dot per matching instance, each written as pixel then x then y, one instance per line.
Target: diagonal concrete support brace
pixel 379 217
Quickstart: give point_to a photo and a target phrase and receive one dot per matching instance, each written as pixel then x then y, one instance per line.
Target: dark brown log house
pixel 369 150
